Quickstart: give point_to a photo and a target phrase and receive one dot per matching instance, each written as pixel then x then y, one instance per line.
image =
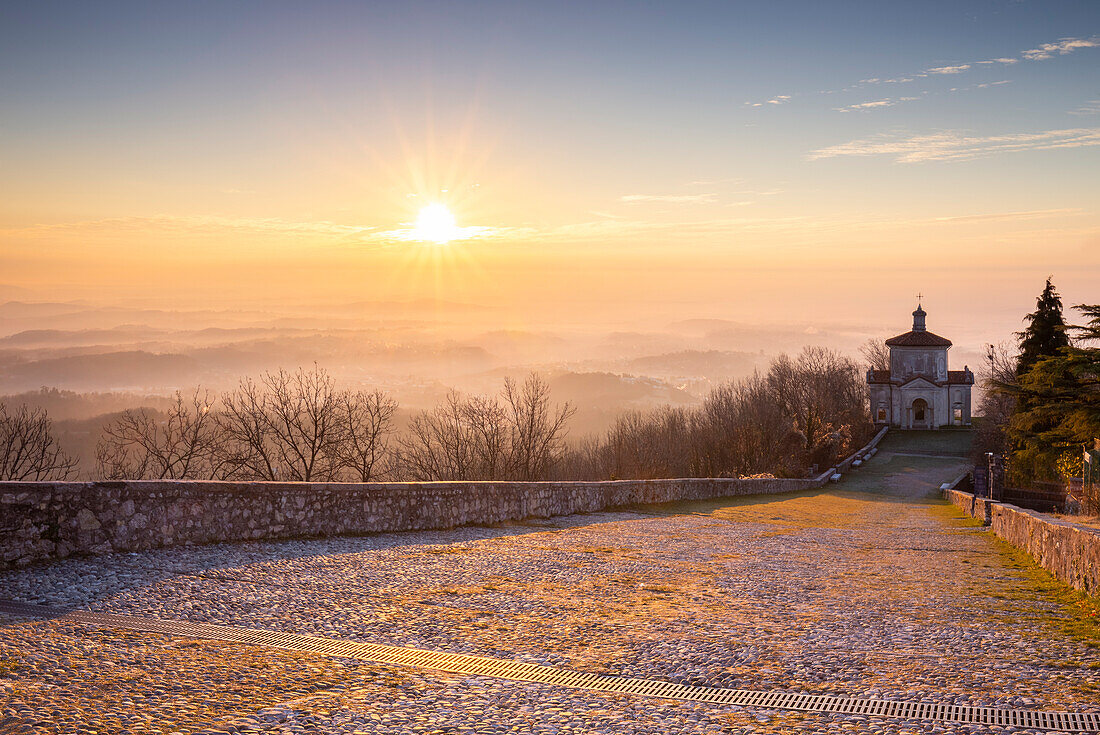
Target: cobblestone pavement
pixel 869 588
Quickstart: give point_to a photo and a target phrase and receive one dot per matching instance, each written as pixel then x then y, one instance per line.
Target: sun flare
pixel 435 223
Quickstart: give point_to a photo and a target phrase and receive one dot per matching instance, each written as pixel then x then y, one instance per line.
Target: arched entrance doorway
pixel 921 414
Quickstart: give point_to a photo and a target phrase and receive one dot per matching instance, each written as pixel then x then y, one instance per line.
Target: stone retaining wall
pixel 49 520
pixel 44 520
pixel 980 508
pixel 1069 551
pixel 846 464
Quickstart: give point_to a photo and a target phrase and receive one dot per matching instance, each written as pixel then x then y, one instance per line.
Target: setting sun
pixel 436 224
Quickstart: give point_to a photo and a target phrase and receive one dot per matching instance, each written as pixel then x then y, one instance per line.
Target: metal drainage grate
pixel 518 671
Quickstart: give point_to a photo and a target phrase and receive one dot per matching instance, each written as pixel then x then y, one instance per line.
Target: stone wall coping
pixel 1049 519
pixel 846 463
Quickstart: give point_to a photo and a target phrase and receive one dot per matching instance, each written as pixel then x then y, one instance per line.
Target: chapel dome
pixel 918 336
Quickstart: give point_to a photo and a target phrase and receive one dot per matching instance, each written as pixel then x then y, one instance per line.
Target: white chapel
pixel 918 391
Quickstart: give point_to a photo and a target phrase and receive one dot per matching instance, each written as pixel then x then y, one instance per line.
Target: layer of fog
pixel 83 361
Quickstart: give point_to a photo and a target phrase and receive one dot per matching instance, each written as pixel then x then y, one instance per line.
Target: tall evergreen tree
pixel 1083 418
pixel 1058 407
pixel 1045 334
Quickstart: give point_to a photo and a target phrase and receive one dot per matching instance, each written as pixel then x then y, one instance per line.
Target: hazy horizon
pixel 417 349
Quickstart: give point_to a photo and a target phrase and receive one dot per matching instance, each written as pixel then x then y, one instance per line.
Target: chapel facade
pixel 918 391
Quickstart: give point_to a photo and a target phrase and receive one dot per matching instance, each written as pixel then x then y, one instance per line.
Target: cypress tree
pixel 1045 334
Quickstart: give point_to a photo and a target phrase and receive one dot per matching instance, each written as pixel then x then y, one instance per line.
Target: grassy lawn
pixel 883 475
pixel 1071 613
pixel 945 441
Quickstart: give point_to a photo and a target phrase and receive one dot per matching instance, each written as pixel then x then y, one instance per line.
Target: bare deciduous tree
pixel 182 443
pixel 742 429
pixel 464 438
pixel 115 460
pixel 368 422
pixel 806 410
pixel 584 459
pixel 822 391
pixel 537 427
pixel 249 452
pixel 284 426
pixel 521 436
pixel 28 448
pixel 997 402
pixel 288 426
pixel 487 429
pixel 439 444
pixel 876 353
pixel 645 446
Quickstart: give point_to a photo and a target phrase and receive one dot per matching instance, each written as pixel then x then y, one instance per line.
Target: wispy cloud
pixel 609 228
pixel 604 229
pixel 877 104
pixel 1043 51
pixel 948 69
pixel 1092 107
pixel 716 182
pixel 983 85
pixel 955 146
pixel 411 234
pixel 1028 214
pixel 779 99
pixel 199 224
pixel 868 105
pixel 1061 48
pixel 202 225
pixel 667 198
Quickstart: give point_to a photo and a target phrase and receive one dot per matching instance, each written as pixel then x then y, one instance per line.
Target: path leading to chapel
pixel 871 588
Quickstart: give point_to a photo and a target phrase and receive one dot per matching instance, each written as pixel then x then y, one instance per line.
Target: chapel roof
pixel 960 377
pixel 919 336
pixel 918 339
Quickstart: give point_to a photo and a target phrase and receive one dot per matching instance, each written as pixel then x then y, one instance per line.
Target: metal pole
pixel 989 490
